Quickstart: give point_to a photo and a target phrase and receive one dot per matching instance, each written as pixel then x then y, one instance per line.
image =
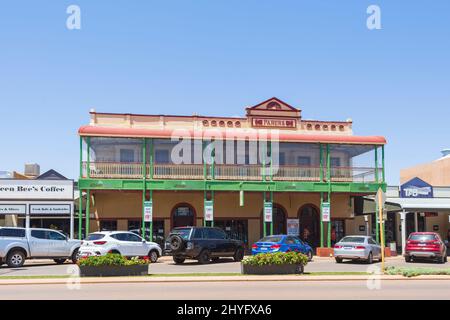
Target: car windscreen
pixel 95 236
pixel 422 237
pixel 271 239
pixel 182 232
pixel 353 239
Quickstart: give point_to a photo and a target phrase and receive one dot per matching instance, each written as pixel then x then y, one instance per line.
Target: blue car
pixel 282 243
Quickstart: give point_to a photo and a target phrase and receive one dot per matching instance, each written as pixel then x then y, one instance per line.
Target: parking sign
pixel 268 211
pixel 148 211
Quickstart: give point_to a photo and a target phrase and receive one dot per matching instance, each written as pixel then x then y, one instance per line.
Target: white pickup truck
pixel 19 244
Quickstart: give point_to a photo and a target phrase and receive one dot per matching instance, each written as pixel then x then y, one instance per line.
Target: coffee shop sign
pixel 36 190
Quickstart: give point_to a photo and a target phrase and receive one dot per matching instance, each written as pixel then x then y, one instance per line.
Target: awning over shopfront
pixel 421 205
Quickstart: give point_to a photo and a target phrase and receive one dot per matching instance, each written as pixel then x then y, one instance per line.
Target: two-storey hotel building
pixel 270 172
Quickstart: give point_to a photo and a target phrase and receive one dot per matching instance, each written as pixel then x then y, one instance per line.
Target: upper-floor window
pixel 304 161
pixel 335 162
pixel 126 155
pixel 162 156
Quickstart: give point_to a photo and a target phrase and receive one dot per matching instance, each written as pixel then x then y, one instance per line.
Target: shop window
pixel 183 216
pixel 337 230
pixel 108 225
pixel 126 155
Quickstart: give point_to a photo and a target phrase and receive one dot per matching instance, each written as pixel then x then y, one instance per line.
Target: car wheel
pixel 114 252
pixel 310 255
pixel 59 261
pixel 370 258
pixel 204 257
pixel 75 256
pixel 15 259
pixel 178 260
pixel 338 260
pixel 408 259
pixel 239 255
pixel 153 255
pixel 215 259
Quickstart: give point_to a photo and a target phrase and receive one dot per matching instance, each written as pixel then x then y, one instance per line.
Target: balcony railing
pixel 113 170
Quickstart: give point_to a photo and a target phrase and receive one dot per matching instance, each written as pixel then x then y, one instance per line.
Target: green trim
pixel 271 223
pixel 329 195
pixel 152 151
pixel 222 185
pixel 321 162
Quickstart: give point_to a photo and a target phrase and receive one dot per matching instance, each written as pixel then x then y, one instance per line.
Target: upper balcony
pixel 159 159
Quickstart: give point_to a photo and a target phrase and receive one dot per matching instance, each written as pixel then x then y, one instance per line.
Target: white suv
pixel 125 243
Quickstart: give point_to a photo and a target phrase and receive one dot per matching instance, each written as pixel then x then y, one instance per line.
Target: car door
pixel 291 244
pixel 137 245
pixel 38 243
pixel 376 248
pixel 125 247
pixel 214 242
pixel 57 244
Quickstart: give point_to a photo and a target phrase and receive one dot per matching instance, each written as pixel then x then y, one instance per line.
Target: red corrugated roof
pixel 95 131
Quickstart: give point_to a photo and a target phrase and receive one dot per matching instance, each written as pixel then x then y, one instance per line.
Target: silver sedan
pixel 362 248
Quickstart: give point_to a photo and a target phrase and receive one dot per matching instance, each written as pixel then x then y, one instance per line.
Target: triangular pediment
pixel 274 104
pixel 274 107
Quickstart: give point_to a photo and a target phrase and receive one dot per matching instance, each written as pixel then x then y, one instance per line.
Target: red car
pixel 425 245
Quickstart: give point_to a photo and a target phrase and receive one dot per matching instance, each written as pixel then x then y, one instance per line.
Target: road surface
pixel 270 290
pixel 166 266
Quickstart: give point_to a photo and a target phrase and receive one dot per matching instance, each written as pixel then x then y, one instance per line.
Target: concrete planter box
pixel 272 269
pixel 114 271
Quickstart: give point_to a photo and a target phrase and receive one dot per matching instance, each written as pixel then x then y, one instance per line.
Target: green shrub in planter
pixel 276 258
pixel 113 265
pixel 275 263
pixel 112 260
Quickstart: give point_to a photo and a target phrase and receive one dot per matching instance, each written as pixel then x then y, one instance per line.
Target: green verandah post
pixel 329 194
pixel 88 192
pixel 144 178
pixel 264 215
pixel 321 194
pixel 377 226
pixel 382 163
pixel 151 178
pixel 271 222
pixel 80 197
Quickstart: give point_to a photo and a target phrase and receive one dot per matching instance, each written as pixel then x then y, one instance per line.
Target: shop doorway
pixel 235 229
pixel 183 215
pixel 279 221
pixel 310 224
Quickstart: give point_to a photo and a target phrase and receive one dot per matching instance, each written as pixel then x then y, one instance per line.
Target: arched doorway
pixel 279 221
pixel 183 215
pixel 310 224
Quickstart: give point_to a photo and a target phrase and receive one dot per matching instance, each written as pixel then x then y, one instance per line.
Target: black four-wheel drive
pixel 203 244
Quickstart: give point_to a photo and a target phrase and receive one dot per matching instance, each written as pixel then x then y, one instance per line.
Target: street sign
pixel 268 208
pixel 148 211
pixel 209 210
pixel 326 210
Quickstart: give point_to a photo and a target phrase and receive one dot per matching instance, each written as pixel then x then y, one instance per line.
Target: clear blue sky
pixel 215 58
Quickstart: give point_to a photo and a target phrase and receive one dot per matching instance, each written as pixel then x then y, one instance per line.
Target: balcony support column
pixel 144 179
pixel 321 162
pixel 382 163
pixel 88 212
pixel 80 197
pixel 321 221
pixel 376 165
pixel 329 194
pixel 88 169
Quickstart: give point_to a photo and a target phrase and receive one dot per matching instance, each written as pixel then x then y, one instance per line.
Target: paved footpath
pixel 229 288
pixel 165 265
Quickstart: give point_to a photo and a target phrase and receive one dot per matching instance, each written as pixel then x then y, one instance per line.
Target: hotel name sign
pixel 274 123
pixel 36 190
